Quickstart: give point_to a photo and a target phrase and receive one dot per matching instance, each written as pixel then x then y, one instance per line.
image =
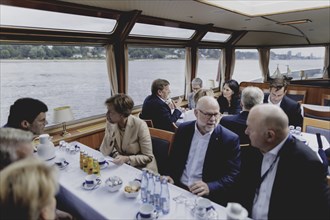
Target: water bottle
pixel 157 201
pixel 151 188
pixel 165 197
pixel 144 185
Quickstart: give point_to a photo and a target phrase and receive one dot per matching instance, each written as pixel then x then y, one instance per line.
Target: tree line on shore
pixel 85 52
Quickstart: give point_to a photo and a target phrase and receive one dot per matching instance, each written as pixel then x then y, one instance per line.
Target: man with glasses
pixel 205 157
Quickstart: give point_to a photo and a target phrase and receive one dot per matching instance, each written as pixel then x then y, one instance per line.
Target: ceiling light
pixel 303 21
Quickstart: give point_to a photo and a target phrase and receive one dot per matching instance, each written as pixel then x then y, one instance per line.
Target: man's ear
pixel 159 92
pixel 25 124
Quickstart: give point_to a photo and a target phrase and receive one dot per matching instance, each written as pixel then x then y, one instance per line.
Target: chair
pixel 325 99
pixel 148 121
pixel 297 95
pixel 161 146
pixel 311 113
pixel 313 126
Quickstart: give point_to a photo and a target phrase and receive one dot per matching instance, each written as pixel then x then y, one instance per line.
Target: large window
pixel 57 75
pixel 147 64
pixel 25 17
pixel 247 66
pixel 291 61
pixel 140 29
pixel 207 70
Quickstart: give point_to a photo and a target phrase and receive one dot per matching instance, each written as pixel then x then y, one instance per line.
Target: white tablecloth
pixel 102 204
pixel 312 141
pixel 314 107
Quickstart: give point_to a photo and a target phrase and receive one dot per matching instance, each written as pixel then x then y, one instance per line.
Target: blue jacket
pixel 234 108
pixel 237 124
pixel 300 190
pixel 292 109
pixel 222 159
pixel 159 112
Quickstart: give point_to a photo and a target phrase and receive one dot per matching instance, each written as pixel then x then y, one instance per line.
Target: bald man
pixel 286 179
pixel 205 157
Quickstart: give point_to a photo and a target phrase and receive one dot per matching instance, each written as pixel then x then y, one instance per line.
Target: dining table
pixel 99 203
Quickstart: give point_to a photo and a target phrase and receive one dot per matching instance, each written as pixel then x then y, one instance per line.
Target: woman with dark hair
pixel 229 99
pixel 127 138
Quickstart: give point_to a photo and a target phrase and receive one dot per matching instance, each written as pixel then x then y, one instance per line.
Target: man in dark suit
pixel 159 107
pixel 287 180
pixel 250 97
pixel 277 91
pixel 205 157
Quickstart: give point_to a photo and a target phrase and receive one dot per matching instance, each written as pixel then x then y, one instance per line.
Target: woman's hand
pixel 120 159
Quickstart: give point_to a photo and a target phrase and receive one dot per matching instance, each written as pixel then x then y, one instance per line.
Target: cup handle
pixel 98 181
pixel 137 216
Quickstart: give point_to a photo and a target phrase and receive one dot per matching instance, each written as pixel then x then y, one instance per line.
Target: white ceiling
pixel 262 30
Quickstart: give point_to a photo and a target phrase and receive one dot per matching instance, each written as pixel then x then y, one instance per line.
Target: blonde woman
pixel 27 190
pixel 127 138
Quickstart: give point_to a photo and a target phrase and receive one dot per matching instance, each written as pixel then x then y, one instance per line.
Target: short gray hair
pixel 251 96
pixel 11 138
pixel 197 81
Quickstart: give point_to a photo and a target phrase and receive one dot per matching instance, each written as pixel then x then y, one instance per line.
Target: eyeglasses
pixel 209 115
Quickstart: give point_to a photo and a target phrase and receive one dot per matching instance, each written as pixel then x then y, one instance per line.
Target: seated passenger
pixel 277 91
pixel 28 114
pixel 27 190
pixel 159 108
pixel 250 97
pixel 127 138
pixel 205 157
pixel 229 99
pixel 288 180
pixel 196 85
pixel 16 144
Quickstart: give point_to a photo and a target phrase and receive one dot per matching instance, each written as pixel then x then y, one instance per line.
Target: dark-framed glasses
pixel 209 115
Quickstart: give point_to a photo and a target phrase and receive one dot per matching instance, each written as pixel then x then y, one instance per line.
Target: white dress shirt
pixel 261 201
pixel 194 166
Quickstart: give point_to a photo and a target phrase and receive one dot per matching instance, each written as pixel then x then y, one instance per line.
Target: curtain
pixel 326 63
pixel 126 67
pixel 264 55
pixel 226 63
pixel 232 59
pixel 111 66
pixel 188 72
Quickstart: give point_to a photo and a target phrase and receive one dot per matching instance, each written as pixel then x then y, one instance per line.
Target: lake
pixel 84 84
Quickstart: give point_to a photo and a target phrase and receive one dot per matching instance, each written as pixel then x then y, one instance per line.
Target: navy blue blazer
pixel 237 124
pixel 292 109
pixel 222 159
pixel 159 112
pixel 300 190
pixel 234 108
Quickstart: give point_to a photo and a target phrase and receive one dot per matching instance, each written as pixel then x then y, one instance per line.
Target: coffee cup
pixel 147 212
pixel 202 207
pixel 61 162
pixel 91 180
pixel 101 161
pixel 236 211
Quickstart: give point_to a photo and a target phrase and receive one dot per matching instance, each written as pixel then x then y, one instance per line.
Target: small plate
pixel 138 217
pixel 105 165
pixel 84 186
pixel 62 166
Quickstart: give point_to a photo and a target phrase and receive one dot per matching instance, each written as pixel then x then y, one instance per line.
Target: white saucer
pixel 62 166
pixel 84 186
pixel 105 165
pixel 138 217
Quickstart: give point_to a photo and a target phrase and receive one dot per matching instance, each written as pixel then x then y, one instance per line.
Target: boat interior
pixel 213 24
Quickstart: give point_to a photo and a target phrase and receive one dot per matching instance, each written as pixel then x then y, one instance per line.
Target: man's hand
pixel 199 188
